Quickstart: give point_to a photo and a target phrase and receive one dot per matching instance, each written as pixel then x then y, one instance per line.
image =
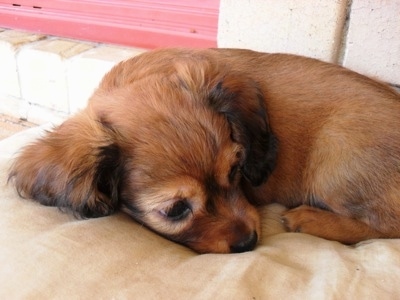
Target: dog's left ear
pixel 78 165
pixel 241 100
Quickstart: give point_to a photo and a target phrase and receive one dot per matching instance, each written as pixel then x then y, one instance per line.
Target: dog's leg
pixel 328 225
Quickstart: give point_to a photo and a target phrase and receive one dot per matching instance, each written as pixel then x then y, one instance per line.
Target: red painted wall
pixel 147 24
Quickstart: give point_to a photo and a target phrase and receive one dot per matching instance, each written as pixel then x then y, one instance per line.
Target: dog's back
pixel 339 140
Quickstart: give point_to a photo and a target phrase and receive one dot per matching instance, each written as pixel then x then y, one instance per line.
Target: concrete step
pixel 45 79
pixel 10 125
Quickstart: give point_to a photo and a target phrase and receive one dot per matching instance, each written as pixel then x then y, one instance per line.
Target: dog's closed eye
pixel 233 172
pixel 177 211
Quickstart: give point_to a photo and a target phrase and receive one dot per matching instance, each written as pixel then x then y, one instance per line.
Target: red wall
pixel 146 24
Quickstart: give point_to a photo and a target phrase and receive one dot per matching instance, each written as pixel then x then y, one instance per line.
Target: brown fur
pixel 183 139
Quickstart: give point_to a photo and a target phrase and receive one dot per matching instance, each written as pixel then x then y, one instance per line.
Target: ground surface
pixel 10 125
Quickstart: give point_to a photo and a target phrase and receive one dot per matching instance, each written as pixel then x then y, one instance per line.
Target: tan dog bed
pixel 48 254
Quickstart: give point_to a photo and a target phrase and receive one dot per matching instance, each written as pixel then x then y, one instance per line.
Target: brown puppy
pixel 183 139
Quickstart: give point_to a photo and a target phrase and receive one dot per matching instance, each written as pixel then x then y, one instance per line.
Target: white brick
pixel 307 27
pixel 42 115
pixel 87 69
pixel 10 43
pixel 42 68
pixel 373 41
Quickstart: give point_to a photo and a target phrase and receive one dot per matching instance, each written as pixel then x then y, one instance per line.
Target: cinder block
pixel 42 68
pixel 87 69
pixel 373 40
pixel 311 28
pixel 10 43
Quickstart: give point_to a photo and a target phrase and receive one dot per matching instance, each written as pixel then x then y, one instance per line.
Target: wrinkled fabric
pixel 49 254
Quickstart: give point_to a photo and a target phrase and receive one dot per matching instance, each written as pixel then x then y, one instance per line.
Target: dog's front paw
pixel 304 219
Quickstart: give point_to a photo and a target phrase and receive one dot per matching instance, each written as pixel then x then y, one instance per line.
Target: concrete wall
pixel 363 35
pixel 45 79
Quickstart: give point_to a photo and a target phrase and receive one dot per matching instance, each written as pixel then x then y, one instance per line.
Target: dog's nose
pixel 246 244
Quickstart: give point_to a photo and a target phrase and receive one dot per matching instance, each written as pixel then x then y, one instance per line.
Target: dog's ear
pixel 75 166
pixel 241 100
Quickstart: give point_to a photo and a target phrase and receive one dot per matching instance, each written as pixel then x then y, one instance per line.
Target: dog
pixel 190 142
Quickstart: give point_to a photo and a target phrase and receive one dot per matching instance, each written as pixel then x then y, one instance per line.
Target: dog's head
pixel 169 145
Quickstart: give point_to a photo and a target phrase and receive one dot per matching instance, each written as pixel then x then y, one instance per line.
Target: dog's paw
pixel 305 219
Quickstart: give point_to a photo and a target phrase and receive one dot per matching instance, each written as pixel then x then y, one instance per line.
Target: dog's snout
pixel 246 244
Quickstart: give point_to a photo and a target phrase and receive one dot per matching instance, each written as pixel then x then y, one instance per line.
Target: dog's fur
pixel 183 140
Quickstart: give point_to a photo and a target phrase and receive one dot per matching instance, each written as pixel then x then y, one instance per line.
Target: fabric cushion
pixel 49 254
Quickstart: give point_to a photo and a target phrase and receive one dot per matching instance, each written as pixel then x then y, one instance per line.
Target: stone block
pixel 43 72
pixel 11 42
pixel 311 28
pixel 373 40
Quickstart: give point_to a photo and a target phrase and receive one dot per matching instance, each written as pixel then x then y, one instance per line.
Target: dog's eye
pixel 178 211
pixel 232 173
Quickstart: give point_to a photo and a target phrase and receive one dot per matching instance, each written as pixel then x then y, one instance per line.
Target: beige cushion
pixel 48 254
